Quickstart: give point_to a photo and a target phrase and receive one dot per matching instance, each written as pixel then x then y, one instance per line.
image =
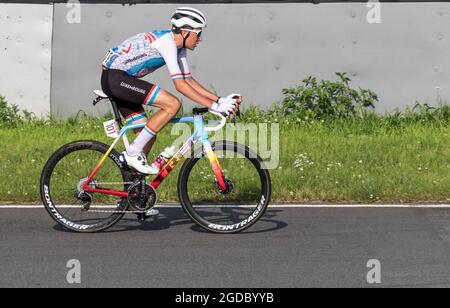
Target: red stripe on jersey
pixel 152 36
pixel 149 37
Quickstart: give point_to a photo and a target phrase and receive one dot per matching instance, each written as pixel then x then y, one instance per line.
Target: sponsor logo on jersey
pixel 135 58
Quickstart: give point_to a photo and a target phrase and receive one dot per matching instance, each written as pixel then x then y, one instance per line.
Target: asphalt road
pixel 289 247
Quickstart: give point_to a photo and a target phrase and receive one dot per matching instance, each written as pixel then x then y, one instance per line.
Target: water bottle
pixel 163 158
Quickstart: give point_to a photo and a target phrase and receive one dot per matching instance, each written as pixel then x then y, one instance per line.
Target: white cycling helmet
pixel 188 16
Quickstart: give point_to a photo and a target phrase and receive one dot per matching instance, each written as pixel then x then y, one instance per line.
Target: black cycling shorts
pixel 130 93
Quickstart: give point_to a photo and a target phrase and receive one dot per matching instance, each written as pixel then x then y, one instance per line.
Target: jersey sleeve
pixel 183 64
pixel 168 51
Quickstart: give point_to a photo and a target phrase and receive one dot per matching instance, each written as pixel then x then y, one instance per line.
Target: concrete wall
pixel 258 49
pixel 25 55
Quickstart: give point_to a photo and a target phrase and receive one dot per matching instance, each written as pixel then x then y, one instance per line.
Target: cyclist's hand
pixel 224 105
pixel 238 99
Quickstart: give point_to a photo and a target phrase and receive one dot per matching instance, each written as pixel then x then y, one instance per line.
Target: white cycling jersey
pixel 145 52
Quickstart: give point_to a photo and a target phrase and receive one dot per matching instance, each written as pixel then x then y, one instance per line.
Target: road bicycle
pixel 223 186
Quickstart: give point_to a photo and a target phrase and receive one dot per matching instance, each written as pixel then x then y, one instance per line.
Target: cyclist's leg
pixel 131 93
pixel 139 92
pixel 133 115
pixel 168 105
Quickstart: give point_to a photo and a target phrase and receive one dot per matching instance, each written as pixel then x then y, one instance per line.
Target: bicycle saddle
pixel 100 93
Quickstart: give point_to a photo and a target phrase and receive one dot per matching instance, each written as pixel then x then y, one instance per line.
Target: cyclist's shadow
pixel 168 218
pixel 173 217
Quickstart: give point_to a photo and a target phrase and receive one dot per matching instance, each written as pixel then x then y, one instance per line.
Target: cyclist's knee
pixel 173 105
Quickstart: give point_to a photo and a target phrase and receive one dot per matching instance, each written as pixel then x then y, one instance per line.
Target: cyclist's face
pixel 194 38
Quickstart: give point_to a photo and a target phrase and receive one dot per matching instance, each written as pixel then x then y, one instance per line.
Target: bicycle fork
pixel 215 165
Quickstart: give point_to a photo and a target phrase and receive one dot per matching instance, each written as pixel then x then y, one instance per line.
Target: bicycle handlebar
pixel 197 111
pixel 223 116
pixel 222 122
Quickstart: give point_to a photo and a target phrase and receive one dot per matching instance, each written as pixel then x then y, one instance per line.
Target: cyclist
pixel 144 53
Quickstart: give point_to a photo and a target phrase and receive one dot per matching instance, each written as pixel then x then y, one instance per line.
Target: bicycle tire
pixel 264 200
pixel 46 187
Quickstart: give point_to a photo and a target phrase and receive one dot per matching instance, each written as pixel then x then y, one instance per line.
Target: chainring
pixel 140 201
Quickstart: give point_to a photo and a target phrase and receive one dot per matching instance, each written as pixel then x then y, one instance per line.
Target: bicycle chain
pixel 117 212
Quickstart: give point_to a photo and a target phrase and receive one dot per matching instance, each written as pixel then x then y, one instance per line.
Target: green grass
pixel 372 160
pixel 354 162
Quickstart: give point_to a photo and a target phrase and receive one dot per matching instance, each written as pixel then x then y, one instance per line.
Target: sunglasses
pixel 198 32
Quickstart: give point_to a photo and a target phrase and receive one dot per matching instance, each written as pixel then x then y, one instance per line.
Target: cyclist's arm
pixel 200 89
pixel 184 66
pixel 168 51
pixel 190 92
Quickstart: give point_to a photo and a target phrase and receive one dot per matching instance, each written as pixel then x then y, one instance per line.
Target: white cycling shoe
pixel 151 212
pixel 139 162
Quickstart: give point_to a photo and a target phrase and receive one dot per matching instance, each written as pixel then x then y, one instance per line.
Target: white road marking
pixel 270 206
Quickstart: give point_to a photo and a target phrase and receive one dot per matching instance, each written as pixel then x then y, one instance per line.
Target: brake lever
pixel 237 114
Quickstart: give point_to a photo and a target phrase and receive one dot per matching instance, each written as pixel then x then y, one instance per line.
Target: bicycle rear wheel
pixel 62 180
pixel 236 209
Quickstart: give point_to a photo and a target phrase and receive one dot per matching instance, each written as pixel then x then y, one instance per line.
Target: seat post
pixel 116 112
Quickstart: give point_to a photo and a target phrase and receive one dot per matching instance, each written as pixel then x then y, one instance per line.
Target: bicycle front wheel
pixel 62 180
pixel 237 208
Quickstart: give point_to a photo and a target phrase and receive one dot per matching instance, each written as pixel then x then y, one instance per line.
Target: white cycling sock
pixel 141 141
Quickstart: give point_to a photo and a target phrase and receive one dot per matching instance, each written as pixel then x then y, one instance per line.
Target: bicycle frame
pixel 200 134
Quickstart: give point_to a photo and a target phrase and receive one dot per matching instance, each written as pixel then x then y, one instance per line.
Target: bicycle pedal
pixel 141 217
